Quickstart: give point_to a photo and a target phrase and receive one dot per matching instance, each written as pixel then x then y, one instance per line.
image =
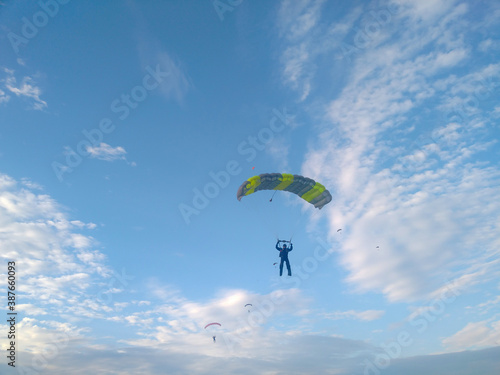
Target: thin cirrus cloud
pixel 475 335
pixel 415 214
pixel 26 89
pixel 173 326
pixel 367 315
pixel 105 152
pixel 176 83
pixel 426 204
pixel 65 277
pixel 59 264
pixel 296 20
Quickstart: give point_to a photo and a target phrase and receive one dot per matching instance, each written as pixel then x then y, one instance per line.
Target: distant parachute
pixel 212 330
pixel 248 304
pixel 339 230
pixel 306 188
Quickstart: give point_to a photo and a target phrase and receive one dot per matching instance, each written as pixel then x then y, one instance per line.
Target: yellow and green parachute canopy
pixel 306 188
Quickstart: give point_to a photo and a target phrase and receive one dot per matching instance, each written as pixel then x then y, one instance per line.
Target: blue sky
pixel 127 127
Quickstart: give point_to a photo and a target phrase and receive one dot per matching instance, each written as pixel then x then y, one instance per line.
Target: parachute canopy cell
pixel 211 324
pixel 306 188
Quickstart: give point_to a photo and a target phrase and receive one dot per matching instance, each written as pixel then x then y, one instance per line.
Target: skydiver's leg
pixel 288 267
pixel 281 266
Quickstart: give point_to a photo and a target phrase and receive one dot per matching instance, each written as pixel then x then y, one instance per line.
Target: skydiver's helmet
pixel 284 246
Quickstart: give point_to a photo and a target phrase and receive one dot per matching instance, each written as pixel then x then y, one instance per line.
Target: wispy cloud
pixel 422 203
pixel 279 149
pixel 58 265
pixel 4 98
pixel 486 306
pixel 151 52
pixel 26 89
pixel 297 21
pixel 367 315
pixel 63 272
pixel 475 335
pixel 106 152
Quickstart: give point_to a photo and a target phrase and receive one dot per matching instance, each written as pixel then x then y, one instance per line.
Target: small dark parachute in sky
pixel 306 188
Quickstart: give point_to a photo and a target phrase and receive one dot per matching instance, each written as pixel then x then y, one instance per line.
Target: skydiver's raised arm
pixel 291 247
pixel 277 245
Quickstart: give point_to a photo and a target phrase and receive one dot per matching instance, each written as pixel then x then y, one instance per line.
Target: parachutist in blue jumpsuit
pixel 284 257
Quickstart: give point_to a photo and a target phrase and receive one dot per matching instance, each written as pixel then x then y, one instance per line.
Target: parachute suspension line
pixel 270 200
pixel 309 190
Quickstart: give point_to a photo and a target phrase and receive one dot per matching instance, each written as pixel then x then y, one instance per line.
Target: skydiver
pixel 284 256
pixel 213 338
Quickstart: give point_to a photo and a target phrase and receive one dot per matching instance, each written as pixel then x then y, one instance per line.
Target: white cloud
pixel 4 98
pixel 297 21
pixel 279 149
pixel 175 82
pixel 490 302
pixel 60 267
pixel 475 335
pixel 81 224
pixel 31 310
pixel 169 333
pixel 367 315
pixel 464 363
pixel 298 18
pixel 105 152
pixel 295 59
pixel 427 11
pixel 27 89
pixel 422 203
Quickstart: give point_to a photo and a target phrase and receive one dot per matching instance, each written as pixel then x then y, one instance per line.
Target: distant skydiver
pixel 212 328
pixel 284 256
